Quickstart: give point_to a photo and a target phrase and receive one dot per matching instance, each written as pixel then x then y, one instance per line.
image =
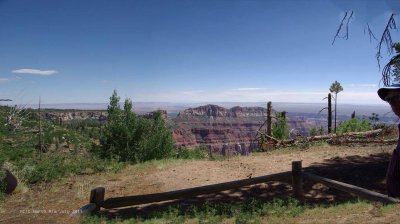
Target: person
pixel 391 94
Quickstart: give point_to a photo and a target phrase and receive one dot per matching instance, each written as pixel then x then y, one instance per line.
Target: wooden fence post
pixel 297 179
pixel 97 197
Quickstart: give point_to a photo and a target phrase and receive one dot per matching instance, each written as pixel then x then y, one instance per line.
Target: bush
pixel 51 166
pixel 33 166
pixel 127 137
pixel 354 125
pixel 280 129
pixel 3 184
pixel 247 211
pixel 196 153
pixel 313 132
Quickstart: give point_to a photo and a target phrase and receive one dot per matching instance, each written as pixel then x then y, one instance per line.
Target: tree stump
pixel 11 182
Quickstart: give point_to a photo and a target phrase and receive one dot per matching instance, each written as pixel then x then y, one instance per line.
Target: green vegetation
pixel 280 128
pixel 248 211
pixel 313 131
pixel 196 153
pixel 335 88
pixel 127 137
pixel 354 125
pixel 67 150
pixel 257 211
pixel 82 146
pixel 3 184
pixel 392 68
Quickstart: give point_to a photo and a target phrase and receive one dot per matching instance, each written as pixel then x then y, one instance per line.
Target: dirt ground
pixel 52 203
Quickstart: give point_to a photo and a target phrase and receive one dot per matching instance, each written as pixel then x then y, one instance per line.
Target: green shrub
pixel 3 184
pixel 280 128
pixel 354 125
pixel 34 166
pixel 247 211
pixel 196 153
pixel 127 137
pixel 313 132
pixel 51 166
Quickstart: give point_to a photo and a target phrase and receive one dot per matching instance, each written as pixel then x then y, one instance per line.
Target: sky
pixel 71 51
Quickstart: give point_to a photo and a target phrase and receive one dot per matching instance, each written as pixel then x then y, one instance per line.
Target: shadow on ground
pixel 367 172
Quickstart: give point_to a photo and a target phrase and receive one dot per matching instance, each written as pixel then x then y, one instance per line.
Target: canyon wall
pixel 228 131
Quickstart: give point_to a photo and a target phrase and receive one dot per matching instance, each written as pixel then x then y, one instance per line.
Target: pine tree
pixel 280 129
pixel 336 88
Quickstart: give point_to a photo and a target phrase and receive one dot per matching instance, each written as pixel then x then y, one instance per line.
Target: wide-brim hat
pixel 382 92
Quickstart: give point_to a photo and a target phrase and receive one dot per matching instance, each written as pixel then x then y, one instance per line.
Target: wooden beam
pixel 187 193
pixel 360 192
pixel 87 209
pixel 97 197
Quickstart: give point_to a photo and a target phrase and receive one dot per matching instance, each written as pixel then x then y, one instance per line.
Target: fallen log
pixel 349 134
pixel 365 141
pixel 334 138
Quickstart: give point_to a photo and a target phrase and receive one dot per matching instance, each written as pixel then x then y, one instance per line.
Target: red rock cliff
pixel 225 131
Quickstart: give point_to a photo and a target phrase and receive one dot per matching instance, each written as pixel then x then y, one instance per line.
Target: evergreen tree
pixel 280 129
pixel 128 137
pixel 335 88
pixel 113 108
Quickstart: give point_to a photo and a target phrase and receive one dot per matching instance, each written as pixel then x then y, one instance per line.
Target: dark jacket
pixel 393 173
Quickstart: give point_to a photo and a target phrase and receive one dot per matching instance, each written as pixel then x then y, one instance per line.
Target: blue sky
pixel 71 51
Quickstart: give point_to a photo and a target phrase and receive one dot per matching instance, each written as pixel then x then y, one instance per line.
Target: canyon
pixel 228 131
pixel 223 129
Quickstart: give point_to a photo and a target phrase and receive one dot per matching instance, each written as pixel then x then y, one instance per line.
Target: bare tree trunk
pixel 329 113
pixel 269 118
pixel 335 109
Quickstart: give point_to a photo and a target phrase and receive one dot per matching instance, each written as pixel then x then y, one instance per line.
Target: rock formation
pixel 228 131
pixel 224 131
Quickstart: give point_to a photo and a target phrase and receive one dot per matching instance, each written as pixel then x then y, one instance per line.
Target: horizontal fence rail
pixel 97 194
pixel 360 192
pixel 190 192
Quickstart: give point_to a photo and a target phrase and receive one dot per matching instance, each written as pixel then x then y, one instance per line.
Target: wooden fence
pixel 97 194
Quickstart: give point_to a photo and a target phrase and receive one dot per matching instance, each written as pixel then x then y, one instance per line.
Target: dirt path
pixel 198 173
pixel 52 203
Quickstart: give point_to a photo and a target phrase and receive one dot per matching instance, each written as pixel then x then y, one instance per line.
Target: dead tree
pixel 353 115
pixel 329 113
pixel 269 118
pixel 347 17
pixel 14 118
pixel 40 146
pixel 329 108
pixel 384 41
pixel 260 138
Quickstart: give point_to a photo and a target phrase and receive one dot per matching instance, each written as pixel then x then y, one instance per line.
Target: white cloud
pixel 248 89
pixel 4 80
pixel 34 71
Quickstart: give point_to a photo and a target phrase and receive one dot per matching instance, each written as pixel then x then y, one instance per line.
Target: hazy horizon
pixel 171 107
